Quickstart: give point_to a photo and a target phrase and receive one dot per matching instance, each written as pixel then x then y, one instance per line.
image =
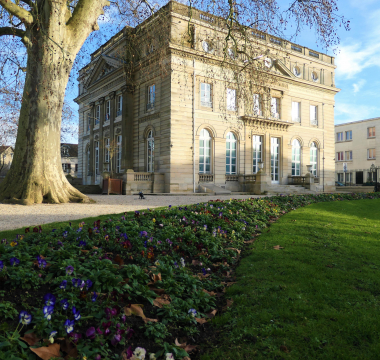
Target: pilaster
pixel 91 164
pixel 127 127
pixel 101 140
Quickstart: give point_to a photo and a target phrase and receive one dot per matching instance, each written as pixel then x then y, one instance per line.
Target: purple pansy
pixel 63 285
pixel 69 270
pixel 90 333
pixel 69 325
pixel 116 339
pixel 49 299
pixel 65 304
pixel 25 318
pixel 94 296
pixel 48 311
pixel 88 283
pixel 76 313
pixel 14 261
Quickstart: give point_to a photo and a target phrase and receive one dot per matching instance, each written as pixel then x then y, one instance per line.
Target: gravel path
pixel 17 216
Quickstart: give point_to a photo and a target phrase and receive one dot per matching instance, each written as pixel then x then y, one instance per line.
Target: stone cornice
pixel 266 124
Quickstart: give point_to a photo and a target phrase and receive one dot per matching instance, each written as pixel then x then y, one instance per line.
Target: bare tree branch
pixel 24 15
pixel 11 31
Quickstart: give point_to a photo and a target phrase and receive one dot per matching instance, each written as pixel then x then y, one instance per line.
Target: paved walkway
pixel 17 216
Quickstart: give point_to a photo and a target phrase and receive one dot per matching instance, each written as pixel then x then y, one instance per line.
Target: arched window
pixel 314 158
pixel 296 158
pixel 150 152
pixel 231 153
pixel 205 152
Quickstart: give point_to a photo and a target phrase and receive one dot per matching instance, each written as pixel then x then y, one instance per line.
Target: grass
pixel 317 298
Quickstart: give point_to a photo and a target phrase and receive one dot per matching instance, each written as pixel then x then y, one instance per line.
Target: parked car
pixel 338 183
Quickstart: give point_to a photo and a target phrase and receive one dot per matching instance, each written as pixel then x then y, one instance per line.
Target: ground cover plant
pixel 317 297
pixel 139 286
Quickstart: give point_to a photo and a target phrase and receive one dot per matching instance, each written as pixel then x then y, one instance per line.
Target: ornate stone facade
pixel 171 118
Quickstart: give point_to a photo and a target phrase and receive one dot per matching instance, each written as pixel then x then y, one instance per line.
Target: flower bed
pixel 141 286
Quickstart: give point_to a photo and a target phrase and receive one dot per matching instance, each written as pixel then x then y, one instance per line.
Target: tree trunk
pixel 36 173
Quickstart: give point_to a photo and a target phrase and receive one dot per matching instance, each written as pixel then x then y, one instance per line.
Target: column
pixel 101 140
pixel 127 129
pixel 112 121
pixel 91 165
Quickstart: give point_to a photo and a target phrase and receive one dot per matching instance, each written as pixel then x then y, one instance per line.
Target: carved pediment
pixel 281 67
pixel 104 65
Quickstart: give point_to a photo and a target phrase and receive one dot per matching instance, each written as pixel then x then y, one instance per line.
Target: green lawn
pixel 318 298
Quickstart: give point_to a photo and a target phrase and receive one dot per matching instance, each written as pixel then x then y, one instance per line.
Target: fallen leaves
pixel 249 241
pixel 184 346
pixel 277 247
pixel 47 352
pixel 211 293
pixel 211 314
pixel 229 304
pixel 31 339
pixel 136 309
pixel 162 300
pixel 201 321
pixel 118 260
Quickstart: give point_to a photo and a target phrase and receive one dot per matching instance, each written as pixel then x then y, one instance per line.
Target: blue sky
pixel 357 60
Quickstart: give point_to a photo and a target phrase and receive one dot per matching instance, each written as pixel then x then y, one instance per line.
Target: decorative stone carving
pixel 112 95
pixel 128 88
pixel 96 137
pixel 118 131
pixel 101 100
pixel 92 104
pixel 107 134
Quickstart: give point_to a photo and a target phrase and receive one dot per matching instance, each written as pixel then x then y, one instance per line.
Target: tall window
pixel 204 152
pixel 206 95
pixel 88 161
pixel 349 135
pixel 150 152
pixel 339 156
pixel 371 153
pixel 313 115
pixel 339 136
pixel 348 155
pixel 107 153
pixel 231 153
pixel 118 154
pixel 151 97
pixel 256 104
pixel 231 99
pixel 119 104
pixel 96 157
pixel 88 122
pixel 371 132
pixel 97 117
pixel 313 158
pixel 340 177
pixel 275 107
pixel 296 158
pixel 296 113
pixel 108 110
pixel 257 152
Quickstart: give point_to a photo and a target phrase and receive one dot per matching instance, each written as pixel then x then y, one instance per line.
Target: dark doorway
pixel 359 177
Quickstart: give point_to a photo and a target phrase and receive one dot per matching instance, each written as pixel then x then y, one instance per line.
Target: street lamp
pixel 373 170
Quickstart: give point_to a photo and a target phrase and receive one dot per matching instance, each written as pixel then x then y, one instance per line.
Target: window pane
pixel 227 169
pixel 201 167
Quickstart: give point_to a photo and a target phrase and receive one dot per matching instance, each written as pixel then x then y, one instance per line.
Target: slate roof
pixel 73 149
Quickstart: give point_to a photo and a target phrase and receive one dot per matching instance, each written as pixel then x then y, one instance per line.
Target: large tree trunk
pixel 36 173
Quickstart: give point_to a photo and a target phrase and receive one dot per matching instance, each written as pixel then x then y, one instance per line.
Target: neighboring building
pixel 6 157
pixel 69 158
pixel 179 127
pixel 356 145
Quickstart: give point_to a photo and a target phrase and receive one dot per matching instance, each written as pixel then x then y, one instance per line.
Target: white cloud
pixel 357 86
pixel 346 112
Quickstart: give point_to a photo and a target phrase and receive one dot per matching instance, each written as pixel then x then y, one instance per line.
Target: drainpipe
pixel 194 124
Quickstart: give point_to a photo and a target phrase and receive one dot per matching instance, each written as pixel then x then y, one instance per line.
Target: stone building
pixel 356 146
pixel 170 117
pixel 69 158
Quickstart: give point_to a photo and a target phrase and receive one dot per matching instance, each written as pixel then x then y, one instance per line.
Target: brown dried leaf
pixel 211 293
pixel 277 247
pixel 249 241
pixel 73 354
pixel 200 321
pixel 157 291
pixel 187 348
pixel 31 339
pixel 148 319
pixel 156 277
pixel 229 304
pixel 84 251
pixel 47 352
pixel 284 348
pixel 237 250
pixel 162 300
pixel 118 260
pixel 231 283
pixel 135 309
pixel 196 262
pixel 212 313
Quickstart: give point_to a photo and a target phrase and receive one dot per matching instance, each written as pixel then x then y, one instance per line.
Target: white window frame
pixel 314 158
pixel 340 177
pixel 349 153
pixel 150 152
pixel 314 115
pixel 257 149
pixel 96 157
pixel 118 153
pixel 107 153
pixel 340 156
pixel 231 159
pixel 231 99
pixel 296 111
pixel 119 104
pixel 108 110
pixel 296 158
pixel 205 152
pixel 339 136
pixel 275 107
pixel 151 97
pixel 371 132
pixel 371 153
pixel 257 105
pixel 206 95
pixel 97 117
pixel 348 134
